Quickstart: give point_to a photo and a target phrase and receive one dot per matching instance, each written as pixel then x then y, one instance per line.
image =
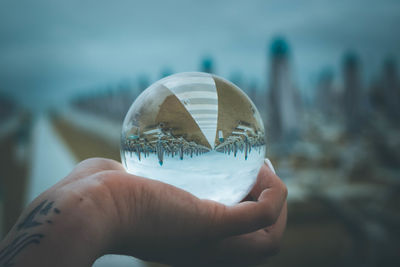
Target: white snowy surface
pixel 51 159
pixel 213 175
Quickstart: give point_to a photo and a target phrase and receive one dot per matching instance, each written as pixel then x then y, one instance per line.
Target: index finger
pixel 250 216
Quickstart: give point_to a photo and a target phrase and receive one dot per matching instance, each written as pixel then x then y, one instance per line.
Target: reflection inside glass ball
pixel 198 132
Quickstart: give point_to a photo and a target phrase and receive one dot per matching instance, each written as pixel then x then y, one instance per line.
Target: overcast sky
pixel 50 49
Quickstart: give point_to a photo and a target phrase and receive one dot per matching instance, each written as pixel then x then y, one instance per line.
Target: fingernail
pixel 268 162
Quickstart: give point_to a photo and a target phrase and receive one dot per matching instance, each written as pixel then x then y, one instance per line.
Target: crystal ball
pixel 198 132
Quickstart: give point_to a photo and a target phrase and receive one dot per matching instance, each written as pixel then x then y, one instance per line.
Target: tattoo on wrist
pixel 24 238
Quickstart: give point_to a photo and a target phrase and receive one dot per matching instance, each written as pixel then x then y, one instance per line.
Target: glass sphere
pixel 198 132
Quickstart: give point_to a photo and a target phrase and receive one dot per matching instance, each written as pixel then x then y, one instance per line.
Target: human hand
pixel 102 209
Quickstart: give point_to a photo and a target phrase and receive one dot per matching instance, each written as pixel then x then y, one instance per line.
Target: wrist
pixel 59 229
pixel 48 234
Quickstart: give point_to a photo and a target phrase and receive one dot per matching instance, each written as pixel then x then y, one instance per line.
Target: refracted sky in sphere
pixel 53 49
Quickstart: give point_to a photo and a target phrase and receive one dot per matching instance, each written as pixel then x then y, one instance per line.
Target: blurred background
pixel 323 74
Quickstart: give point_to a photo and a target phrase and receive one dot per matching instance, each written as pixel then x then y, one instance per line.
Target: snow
pixel 212 175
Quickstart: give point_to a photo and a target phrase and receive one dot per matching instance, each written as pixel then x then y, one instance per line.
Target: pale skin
pixel 100 209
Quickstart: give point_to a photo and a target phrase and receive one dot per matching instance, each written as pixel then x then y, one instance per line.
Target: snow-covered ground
pixel 212 175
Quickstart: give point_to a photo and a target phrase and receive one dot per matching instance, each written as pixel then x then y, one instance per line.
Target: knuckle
pixel 281 186
pixel 216 215
pixel 91 161
pixel 268 217
pixel 101 163
pixel 103 194
pixel 88 161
